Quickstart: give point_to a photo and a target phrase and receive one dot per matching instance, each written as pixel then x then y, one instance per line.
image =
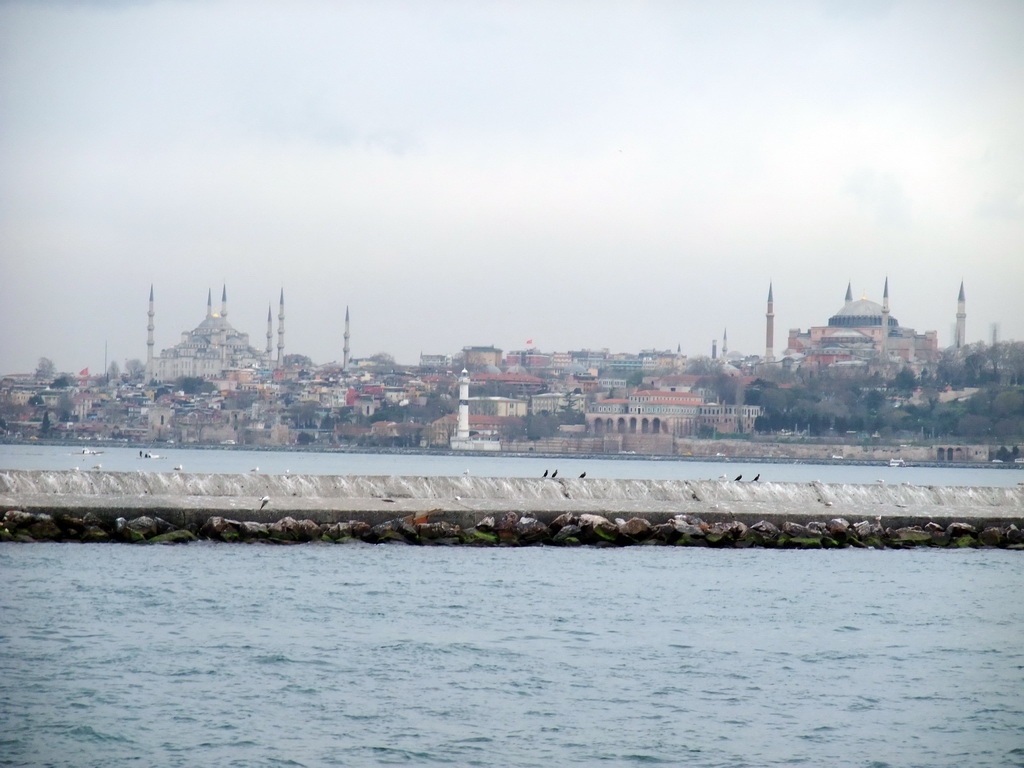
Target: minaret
pixel 883 350
pixel 344 358
pixel 224 301
pixel 280 332
pixel 463 433
pixel 961 318
pixel 148 340
pixel 849 292
pixel 270 336
pixel 209 303
pixel 714 349
pixel 725 342
pixel 769 335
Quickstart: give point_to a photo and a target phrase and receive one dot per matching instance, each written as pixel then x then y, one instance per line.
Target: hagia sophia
pixel 861 333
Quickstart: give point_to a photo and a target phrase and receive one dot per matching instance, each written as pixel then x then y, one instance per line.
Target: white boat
pixel 897 463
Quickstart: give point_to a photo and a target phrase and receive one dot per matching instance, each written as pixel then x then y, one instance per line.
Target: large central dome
pixel 860 313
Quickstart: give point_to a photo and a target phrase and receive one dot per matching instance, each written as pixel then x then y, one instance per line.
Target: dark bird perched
pixel 545 473
pixel 582 475
pixel 554 474
pixel 264 501
pixel 756 477
pixel 738 478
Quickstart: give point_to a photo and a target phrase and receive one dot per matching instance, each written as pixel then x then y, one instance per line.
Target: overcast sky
pixel 580 174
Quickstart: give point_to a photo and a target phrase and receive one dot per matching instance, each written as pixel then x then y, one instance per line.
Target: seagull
pixel 255 469
pixel 756 478
pixel 582 475
pixel 178 468
pixel 723 477
pixel 264 501
pixel 738 478
pixel 545 473
pixel 97 466
pixel 554 474
pixel 465 472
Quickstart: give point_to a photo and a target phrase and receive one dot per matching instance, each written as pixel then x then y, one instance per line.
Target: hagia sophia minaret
pixel 769 340
pixel 725 342
pixel 344 358
pixel 961 318
pixel 280 332
pixel 148 341
pixel 883 348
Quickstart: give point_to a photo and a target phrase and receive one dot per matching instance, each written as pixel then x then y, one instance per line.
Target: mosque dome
pixel 859 314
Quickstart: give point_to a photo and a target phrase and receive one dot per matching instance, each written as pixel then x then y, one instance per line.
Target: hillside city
pixel 966 406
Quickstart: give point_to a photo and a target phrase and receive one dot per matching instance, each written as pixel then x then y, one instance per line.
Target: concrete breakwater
pixel 74 505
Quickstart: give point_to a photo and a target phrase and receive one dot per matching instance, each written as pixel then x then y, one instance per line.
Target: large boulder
pixel 441 533
pixel 595 529
pixel 220 529
pixel 396 531
pixel 568 536
pixel 181 536
pixel 635 529
pixel 530 530
pixel 910 536
pixel 991 537
pixel 762 534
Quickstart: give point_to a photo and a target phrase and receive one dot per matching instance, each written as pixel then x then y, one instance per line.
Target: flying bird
pixel 264 501
pixel 738 478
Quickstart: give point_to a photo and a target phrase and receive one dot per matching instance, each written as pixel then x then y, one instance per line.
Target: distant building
pixel 476 358
pixel 861 333
pixel 212 348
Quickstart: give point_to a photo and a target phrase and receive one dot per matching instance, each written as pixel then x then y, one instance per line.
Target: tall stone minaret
pixel 961 318
pixel 463 433
pixel 769 334
pixel 224 301
pixel 344 358
pixel 883 349
pixel 714 349
pixel 849 292
pixel 270 336
pixel 148 340
pixel 209 302
pixel 725 342
pixel 280 332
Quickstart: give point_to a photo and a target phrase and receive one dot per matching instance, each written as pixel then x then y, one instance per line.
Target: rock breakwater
pixel 513 530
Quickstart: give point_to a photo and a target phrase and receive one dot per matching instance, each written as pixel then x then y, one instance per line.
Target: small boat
pixel 897 463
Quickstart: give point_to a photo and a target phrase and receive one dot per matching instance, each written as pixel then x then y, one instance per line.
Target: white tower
pixel 148 340
pixel 224 301
pixel 463 432
pixel 769 345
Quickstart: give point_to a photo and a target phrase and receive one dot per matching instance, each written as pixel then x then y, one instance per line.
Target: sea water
pixel 254 655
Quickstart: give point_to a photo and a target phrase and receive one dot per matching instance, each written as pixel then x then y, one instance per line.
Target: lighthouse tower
pixel 463 431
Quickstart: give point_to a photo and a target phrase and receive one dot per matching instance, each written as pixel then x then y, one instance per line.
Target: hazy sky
pixel 583 174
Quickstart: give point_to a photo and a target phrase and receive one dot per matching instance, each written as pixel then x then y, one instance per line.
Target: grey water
pixel 234 655
pixel 193 460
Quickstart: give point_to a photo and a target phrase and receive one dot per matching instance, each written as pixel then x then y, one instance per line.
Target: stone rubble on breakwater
pixel 512 530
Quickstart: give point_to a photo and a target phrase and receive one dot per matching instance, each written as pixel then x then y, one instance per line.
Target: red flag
pixel 84 372
pixel 529 341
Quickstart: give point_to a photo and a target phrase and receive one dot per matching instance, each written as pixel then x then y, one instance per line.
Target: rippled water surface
pixel 221 655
